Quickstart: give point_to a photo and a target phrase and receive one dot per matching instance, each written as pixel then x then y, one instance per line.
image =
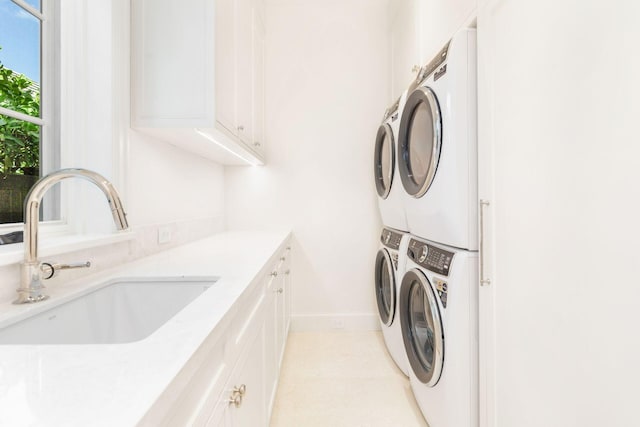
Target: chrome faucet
pixel 32 272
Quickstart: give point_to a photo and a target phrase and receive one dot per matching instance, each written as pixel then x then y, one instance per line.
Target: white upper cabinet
pixel 225 57
pixel 194 76
pixel 258 48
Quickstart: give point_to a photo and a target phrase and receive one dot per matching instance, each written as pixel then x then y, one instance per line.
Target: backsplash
pixel 112 255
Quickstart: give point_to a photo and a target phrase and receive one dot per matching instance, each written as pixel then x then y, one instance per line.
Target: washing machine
pixel 437 147
pixel 438 315
pixel 389 268
pixel 385 170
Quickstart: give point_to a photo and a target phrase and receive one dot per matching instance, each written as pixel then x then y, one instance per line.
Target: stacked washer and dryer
pixel 433 299
pixel 391 257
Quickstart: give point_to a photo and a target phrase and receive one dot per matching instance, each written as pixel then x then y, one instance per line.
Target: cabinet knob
pixel 274 273
pixel 283 258
pixel 256 144
pixel 288 248
pixel 240 128
pixel 287 272
pixel 235 399
pixel 241 390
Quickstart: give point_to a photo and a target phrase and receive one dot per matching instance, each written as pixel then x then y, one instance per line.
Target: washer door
pixel 420 141
pixel 384 160
pixel 385 287
pixel 422 330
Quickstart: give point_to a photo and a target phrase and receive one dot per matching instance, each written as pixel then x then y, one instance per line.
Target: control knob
pixel 423 253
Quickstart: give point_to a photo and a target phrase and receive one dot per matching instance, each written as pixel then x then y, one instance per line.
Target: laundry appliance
pixel 438 316
pixel 387 179
pixel 389 268
pixel 437 147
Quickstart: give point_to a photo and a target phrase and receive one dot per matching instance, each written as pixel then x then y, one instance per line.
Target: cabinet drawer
pixel 245 323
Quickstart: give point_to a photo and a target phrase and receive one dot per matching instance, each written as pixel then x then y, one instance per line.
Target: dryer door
pixel 419 141
pixel 385 287
pixel 422 329
pixel 384 160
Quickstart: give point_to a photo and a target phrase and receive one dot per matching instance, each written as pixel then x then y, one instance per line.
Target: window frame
pixel 50 147
pixel 80 34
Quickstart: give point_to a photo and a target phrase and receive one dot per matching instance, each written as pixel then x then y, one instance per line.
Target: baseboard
pixel 333 322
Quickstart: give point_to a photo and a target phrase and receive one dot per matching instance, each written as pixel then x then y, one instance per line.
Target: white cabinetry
pixel 232 379
pixel 278 293
pixel 558 107
pixel 198 76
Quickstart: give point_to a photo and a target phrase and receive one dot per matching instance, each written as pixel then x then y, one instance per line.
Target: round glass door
pixel 422 330
pixel 384 160
pixel 420 140
pixel 385 287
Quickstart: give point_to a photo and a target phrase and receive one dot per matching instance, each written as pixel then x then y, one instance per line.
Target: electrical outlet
pixel 337 324
pixel 164 235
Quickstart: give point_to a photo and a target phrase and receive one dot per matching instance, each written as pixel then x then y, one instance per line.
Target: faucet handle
pixel 51 270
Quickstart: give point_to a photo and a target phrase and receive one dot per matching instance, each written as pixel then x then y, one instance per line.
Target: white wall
pixel 440 19
pixel 559 90
pixel 166 184
pixel 326 90
pixel 161 185
pixel 418 30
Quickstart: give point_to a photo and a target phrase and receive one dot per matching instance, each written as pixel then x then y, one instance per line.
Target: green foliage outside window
pixel 19 140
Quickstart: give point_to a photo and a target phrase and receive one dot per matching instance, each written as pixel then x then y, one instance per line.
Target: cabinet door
pixel 287 291
pixel 271 338
pixel 242 404
pixel 221 416
pixel 225 58
pixel 281 311
pixel 244 72
pixel 251 411
pixel 258 83
pixel 558 163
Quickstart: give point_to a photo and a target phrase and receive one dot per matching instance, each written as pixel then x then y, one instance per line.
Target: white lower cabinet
pixel 242 402
pixel 278 325
pixel 232 379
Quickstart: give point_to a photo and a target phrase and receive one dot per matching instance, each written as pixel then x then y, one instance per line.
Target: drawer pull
pixel 274 273
pixel 283 258
pixel 235 399
pixel 242 389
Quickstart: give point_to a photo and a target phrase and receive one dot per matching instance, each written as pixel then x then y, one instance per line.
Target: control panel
pixel 430 257
pixel 390 239
pixel 426 70
pixel 392 111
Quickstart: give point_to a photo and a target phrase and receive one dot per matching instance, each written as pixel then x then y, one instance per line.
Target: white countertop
pixel 115 384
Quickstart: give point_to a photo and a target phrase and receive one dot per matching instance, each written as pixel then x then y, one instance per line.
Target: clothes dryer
pixel 437 148
pixel 438 315
pixel 385 170
pixel 389 269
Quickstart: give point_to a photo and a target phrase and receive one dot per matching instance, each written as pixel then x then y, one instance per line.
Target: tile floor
pixel 342 379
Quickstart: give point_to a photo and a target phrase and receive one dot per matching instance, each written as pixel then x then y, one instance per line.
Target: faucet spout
pixel 31 285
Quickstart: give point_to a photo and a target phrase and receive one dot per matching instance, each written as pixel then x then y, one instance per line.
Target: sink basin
pixel 119 311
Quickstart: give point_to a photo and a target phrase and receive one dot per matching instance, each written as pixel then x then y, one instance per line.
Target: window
pixel 27 138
